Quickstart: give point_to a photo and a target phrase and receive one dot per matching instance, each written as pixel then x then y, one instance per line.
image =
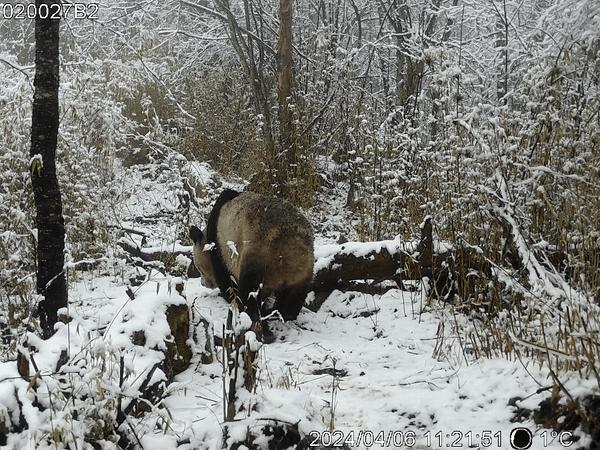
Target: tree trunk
pixel 409 69
pixel 285 79
pixel 502 47
pixel 255 76
pixel 51 281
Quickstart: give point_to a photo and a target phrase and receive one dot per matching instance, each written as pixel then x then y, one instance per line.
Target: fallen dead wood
pixel 337 265
pixel 378 261
pixel 450 270
pixel 150 254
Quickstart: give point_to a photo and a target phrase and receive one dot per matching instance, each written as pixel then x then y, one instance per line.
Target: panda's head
pixel 202 258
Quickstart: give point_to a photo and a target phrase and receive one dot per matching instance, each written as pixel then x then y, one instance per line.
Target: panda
pixel 265 244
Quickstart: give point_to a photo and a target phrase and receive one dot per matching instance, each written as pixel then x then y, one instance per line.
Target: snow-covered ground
pixel 377 353
pixel 367 366
pixel 361 363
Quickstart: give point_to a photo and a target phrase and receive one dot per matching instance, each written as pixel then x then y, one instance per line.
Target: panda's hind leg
pixel 290 300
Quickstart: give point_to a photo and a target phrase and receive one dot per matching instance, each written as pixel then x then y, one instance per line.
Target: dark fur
pixel 294 296
pixel 250 279
pixel 195 234
pixel 221 273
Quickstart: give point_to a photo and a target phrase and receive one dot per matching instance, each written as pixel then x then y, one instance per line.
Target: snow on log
pixel 364 260
pixel 384 260
pixel 149 254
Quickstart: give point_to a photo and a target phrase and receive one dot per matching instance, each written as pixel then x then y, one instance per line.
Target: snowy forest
pixel 446 154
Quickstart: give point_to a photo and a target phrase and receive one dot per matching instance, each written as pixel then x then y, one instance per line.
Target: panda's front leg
pixel 249 289
pixel 252 296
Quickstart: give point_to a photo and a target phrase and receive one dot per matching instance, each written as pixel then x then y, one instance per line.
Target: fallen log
pixel 150 254
pixel 338 264
pixel 378 261
pixel 461 271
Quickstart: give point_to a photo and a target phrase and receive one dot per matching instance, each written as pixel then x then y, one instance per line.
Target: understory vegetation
pixel 483 116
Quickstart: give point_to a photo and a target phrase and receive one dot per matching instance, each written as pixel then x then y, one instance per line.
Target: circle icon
pixel 521 438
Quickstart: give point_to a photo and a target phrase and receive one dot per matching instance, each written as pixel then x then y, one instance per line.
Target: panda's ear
pixel 195 234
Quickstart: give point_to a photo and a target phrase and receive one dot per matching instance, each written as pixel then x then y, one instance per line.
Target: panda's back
pixel 271 232
pixel 264 218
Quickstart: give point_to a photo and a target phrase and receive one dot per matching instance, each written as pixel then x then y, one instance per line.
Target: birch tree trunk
pixel 51 281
